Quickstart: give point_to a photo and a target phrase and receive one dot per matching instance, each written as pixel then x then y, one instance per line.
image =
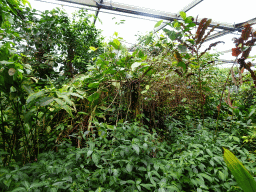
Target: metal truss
pixel 167 17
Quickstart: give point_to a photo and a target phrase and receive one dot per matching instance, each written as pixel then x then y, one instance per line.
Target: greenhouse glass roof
pixel 132 17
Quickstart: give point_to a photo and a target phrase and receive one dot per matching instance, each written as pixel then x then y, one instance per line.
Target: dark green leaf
pixel 94 96
pixel 183 65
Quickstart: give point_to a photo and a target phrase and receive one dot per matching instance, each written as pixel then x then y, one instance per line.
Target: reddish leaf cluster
pixel 244 45
pixel 203 25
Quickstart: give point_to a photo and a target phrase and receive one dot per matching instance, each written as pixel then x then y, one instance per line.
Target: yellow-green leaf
pixel 242 176
pixel 158 23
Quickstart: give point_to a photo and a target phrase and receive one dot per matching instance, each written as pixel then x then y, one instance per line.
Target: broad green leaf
pixel 95 158
pixel 206 176
pixel 100 189
pixel 68 101
pixel 7 182
pixel 136 148
pixel 34 185
pixel 138 181
pixel 19 189
pixel 114 45
pixel 147 186
pixel 26 184
pixel 34 96
pixel 173 188
pixel 94 85
pixel 117 42
pixel 129 168
pixel 76 95
pixel 28 89
pixel 183 15
pixel 92 48
pixel 176 24
pixel 183 65
pixel 48 129
pixel 209 152
pixel 115 34
pixel 93 96
pixel 171 34
pixel 68 178
pixel 251 113
pixel 242 176
pixel 64 106
pixel 222 176
pixel 158 23
pixel 45 101
pixel 115 172
pixel 89 153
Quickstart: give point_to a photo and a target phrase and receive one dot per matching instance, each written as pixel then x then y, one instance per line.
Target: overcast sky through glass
pixel 223 11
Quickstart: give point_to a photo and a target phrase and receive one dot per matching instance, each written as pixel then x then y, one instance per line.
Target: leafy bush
pixel 128 158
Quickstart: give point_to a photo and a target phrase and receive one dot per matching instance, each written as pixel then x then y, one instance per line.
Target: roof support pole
pixel 97 12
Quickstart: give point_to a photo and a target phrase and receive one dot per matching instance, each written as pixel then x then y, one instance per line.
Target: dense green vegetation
pixel 78 114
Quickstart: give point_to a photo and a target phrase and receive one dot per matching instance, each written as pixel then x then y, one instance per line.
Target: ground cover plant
pixel 154 120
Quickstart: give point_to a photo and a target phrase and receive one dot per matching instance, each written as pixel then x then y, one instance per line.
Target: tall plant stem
pixel 23 128
pixel 200 86
pixel 219 106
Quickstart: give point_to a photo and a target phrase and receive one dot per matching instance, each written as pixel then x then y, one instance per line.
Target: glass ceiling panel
pixel 218 10
pixel 224 11
pixel 70 8
pixel 171 6
pixel 131 25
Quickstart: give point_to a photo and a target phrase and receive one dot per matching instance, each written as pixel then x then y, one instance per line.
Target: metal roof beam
pixel 230 61
pixel 97 13
pixel 238 26
pixel 216 35
pixel 251 21
pixel 91 3
pixel 114 6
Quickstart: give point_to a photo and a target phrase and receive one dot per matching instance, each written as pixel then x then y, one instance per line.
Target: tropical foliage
pixel 78 114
